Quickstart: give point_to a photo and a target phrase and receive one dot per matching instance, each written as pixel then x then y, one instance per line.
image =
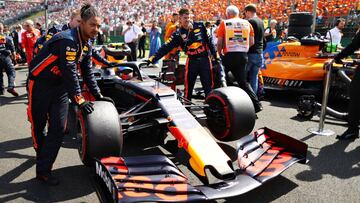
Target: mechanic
pixel 170 28
pixel 17 42
pixel 192 37
pixel 354 109
pixel 29 38
pixel 53 79
pixel 255 54
pixel 74 22
pixel 233 44
pixel 174 20
pixel 7 53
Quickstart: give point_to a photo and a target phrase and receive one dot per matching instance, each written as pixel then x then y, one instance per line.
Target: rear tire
pixel 299 32
pixel 301 19
pixel 231 114
pixel 99 133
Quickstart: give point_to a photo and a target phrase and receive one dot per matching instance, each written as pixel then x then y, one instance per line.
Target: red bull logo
pixel 2 39
pixel 195 45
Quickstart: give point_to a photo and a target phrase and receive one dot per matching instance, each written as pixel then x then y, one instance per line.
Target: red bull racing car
pixel 141 103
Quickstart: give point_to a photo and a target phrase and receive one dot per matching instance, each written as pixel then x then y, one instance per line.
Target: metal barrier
pixel 320 130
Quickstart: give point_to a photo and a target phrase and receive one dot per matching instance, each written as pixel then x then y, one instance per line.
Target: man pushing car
pixel 53 79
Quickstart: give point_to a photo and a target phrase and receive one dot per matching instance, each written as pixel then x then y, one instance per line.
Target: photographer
pixel 131 34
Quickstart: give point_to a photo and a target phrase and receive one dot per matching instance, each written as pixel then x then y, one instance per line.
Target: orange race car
pixel 298 65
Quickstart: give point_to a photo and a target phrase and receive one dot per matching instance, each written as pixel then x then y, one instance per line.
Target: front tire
pixel 231 113
pixel 99 133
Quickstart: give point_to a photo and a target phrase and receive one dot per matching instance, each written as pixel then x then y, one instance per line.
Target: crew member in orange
pixel 235 37
pixel 169 30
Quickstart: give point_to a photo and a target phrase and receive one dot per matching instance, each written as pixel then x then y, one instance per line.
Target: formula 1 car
pixel 307 105
pixel 298 65
pixel 142 102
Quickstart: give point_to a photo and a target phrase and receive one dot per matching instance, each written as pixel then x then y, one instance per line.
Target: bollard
pixel 320 130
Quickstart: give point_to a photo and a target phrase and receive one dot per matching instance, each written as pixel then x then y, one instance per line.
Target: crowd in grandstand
pixel 143 10
pixel 11 9
pixel 116 12
pixel 279 10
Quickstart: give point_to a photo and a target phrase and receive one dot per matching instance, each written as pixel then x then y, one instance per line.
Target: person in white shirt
pixel 131 34
pixel 214 31
pixel 335 34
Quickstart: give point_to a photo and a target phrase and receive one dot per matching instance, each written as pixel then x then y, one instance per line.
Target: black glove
pixel 87 107
pixel 148 62
pixel 100 97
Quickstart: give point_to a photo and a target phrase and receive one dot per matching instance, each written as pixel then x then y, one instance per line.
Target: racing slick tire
pixel 231 114
pixel 304 19
pixel 299 32
pixel 99 133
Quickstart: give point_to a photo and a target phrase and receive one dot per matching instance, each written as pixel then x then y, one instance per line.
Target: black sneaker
pixel 13 92
pixel 349 134
pixel 2 92
pixel 48 179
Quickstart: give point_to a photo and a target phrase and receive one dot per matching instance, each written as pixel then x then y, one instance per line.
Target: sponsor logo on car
pixel 106 178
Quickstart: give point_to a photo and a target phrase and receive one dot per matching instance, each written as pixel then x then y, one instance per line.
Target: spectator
pixel 117 11
pixel 131 34
pixel 155 41
pixel 270 32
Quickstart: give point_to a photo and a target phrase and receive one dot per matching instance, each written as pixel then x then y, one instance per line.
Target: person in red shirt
pixel 29 38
